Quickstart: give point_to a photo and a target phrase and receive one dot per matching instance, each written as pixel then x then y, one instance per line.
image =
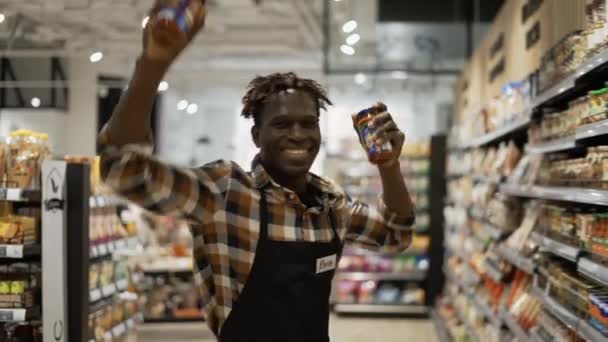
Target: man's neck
pixel 299 185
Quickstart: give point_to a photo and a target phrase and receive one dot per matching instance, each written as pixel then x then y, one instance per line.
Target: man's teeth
pixel 296 151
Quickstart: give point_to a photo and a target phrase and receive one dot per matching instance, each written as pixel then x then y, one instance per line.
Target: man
pixel 267 242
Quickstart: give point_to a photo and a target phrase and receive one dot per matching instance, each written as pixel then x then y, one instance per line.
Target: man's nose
pixel 296 131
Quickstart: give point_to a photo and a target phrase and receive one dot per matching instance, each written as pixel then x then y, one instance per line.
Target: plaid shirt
pixel 222 203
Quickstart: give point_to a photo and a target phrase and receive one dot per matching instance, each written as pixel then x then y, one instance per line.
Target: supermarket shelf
pixel 359 276
pixel 592 130
pixel 20 195
pixel 589 333
pixel 381 309
pixel 107 248
pixel 494 232
pixel 173 319
pixel 515 328
pixel 558 248
pixel 470 331
pixel 583 328
pixel 568 84
pixel 535 337
pixel 593 270
pixel 563 314
pixel 19 251
pixel 119 330
pixel 108 290
pixel 559 89
pixel 442 331
pixel 558 193
pixel 19 315
pixel 516 259
pixel 552 146
pixel 512 126
pixel 169 266
pixel 487 179
pixel 487 312
pixel 492 272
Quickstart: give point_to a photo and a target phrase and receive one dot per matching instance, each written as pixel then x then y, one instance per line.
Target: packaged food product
pixel 176 16
pixel 377 154
pixel 24 159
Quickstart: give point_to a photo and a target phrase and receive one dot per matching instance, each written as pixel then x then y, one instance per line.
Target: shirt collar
pixel 262 179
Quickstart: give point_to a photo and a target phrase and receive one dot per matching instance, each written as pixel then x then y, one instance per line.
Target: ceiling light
pixel 353 39
pixel 96 57
pixel 35 102
pixel 163 86
pixel 350 26
pixel 337 0
pixel 2 18
pixel 360 78
pixel 144 21
pixel 399 75
pixel 347 49
pixel 183 104
pixel 192 108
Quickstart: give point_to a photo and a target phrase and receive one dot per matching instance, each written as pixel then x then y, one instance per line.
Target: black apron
pixel 284 298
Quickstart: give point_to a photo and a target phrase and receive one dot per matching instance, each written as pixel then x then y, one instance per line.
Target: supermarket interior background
pixel 505 109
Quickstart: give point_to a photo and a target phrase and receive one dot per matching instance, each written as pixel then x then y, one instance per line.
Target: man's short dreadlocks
pixel 262 87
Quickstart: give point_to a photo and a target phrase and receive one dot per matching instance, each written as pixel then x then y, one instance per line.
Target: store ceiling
pixel 239 33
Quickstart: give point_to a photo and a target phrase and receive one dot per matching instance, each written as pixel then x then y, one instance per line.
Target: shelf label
pixel 102 249
pixel 11 251
pixel 95 295
pixel 118 330
pixel 120 244
pixel 108 290
pixel 12 315
pixel 111 247
pixel 130 323
pixel 122 284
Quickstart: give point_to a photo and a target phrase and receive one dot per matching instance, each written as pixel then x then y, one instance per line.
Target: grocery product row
pixel 525 231
pixel 368 282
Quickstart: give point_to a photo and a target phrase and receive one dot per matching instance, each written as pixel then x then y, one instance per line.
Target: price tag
pixel 12 315
pixel 122 284
pixel 14 194
pixel 102 249
pixel 130 323
pixel 95 295
pixel 118 330
pixel 11 251
pixel 93 251
pixel 108 290
pixel 121 244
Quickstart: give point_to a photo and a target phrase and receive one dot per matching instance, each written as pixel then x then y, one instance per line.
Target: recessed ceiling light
pixel 347 49
pixel 192 108
pixel 35 102
pixel 144 21
pixel 399 75
pixel 183 104
pixel 360 78
pixel 96 57
pixel 353 39
pixel 349 26
pixel 2 18
pixel 163 86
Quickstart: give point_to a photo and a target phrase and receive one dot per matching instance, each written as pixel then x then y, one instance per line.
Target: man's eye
pixel 280 124
pixel 310 125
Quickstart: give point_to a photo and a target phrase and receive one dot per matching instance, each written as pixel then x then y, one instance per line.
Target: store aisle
pixel 343 329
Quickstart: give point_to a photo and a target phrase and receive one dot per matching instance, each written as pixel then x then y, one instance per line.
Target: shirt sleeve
pixel 191 194
pixel 377 228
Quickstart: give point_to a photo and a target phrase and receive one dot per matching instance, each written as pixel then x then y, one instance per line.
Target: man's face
pixel 288 133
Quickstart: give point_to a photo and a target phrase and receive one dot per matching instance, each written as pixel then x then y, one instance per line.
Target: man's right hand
pixel 163 43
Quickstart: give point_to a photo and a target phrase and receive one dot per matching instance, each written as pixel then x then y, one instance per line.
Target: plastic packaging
pixel 376 154
pixel 177 15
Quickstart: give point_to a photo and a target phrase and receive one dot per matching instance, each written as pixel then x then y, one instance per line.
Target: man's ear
pixel 255 135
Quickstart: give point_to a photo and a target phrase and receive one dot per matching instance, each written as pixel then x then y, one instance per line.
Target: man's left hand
pixel 386 130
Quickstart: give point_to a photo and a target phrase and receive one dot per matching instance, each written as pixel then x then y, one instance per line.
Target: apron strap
pixel 334 227
pixel 263 216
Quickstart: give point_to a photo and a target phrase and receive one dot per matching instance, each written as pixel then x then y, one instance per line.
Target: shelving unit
pixel 381 309
pixel 424 176
pixel 587 77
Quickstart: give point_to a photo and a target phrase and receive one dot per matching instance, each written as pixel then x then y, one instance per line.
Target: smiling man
pixel 266 242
